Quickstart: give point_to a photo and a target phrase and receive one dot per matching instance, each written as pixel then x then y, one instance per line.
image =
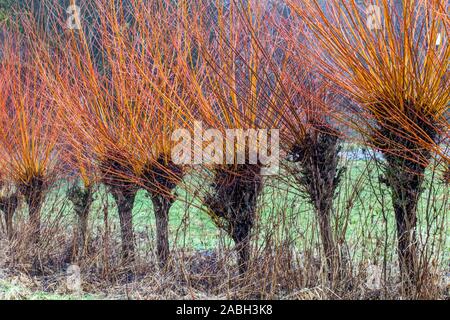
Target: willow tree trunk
pixel 8 206
pixel 161 205
pixel 329 246
pixel 241 232
pixel 34 193
pixel 319 175
pixel 233 205
pixel 124 197
pixel 34 206
pixel 82 233
pixel 82 201
pixel 406 187
pixel 406 157
pixel 160 179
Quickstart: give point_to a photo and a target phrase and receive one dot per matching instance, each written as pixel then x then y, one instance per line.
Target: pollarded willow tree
pixel 110 82
pixel 306 104
pixel 254 80
pixel 316 152
pixel 164 49
pixel 9 199
pixel 94 117
pixel 27 138
pixel 82 177
pixel 394 62
pixel 225 79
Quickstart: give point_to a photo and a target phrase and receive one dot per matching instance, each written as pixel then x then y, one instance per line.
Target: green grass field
pixel 362 210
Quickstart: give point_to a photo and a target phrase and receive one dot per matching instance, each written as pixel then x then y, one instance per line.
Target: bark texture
pixel 124 196
pixel 34 194
pixel 8 205
pixel 161 206
pixel 160 180
pixel 81 199
pixel 124 192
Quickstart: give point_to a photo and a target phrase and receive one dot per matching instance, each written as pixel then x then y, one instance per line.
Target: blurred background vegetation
pixel 6 8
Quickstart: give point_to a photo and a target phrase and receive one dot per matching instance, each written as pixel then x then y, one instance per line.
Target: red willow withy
pixel 110 82
pixel 396 69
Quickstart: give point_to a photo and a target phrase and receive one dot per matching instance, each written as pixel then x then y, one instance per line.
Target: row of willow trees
pixel 98 104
